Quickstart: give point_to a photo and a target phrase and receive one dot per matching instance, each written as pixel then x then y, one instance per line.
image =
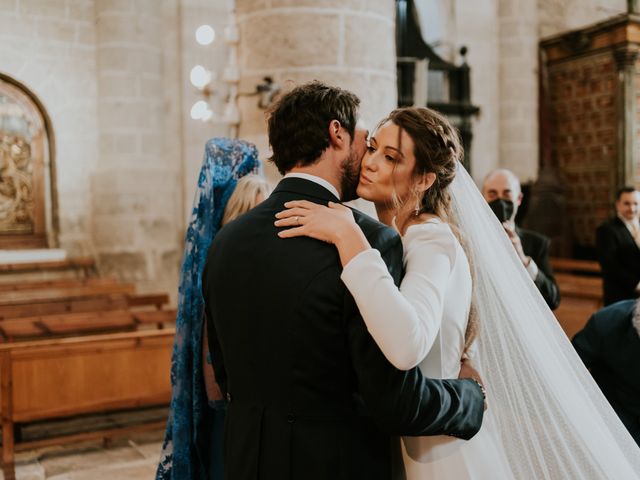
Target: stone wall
pixel 476 29
pixel 50 47
pixel 518 53
pixel 113 77
pixel 135 188
pixel 558 16
pixel 194 134
pixel 503 36
pixel 346 43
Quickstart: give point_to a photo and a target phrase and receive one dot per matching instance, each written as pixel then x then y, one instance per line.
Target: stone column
pixel 136 184
pixel 626 57
pixel 518 54
pixel 348 43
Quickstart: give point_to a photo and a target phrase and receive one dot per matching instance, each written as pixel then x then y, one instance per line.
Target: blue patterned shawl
pixel 225 161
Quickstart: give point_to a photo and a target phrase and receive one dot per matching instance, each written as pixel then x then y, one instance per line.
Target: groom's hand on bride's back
pixel 467 371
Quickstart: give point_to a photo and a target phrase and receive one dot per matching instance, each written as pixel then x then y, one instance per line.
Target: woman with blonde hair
pixel 250 191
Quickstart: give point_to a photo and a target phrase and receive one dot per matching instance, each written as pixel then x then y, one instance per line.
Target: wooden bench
pixel 159 318
pixel 57 283
pixel 81 266
pixel 580 285
pixel 83 323
pixel 89 301
pixel 41 295
pixel 570 265
pixel 58 378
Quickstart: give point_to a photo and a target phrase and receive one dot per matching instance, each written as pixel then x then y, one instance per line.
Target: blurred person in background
pixel 618 248
pixel 609 346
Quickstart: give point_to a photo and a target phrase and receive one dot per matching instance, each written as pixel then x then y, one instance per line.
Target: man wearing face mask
pixel 501 189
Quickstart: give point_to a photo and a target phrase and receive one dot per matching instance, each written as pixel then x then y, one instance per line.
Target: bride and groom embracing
pixel 326 350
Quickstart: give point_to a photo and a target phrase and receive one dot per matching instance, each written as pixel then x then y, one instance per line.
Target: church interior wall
pixel 50 48
pixel 124 191
pixel 502 37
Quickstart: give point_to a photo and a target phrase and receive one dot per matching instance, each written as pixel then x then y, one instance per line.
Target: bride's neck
pixel 385 213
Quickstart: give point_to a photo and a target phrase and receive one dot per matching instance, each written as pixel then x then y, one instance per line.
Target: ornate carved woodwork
pixel 24 163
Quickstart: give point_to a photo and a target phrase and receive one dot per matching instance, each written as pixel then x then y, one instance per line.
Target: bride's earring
pixel 418 207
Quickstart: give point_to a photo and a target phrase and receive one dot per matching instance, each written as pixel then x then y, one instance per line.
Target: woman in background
pixel 192 445
pixel 250 191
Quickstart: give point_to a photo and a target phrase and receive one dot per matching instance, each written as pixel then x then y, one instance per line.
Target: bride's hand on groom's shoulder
pixel 304 218
pixel 468 371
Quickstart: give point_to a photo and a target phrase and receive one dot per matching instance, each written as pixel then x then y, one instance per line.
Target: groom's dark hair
pixel 298 123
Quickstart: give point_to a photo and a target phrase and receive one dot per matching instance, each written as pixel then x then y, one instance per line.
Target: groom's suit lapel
pixel 306 188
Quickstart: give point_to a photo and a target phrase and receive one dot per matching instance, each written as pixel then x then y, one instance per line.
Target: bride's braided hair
pixel 437 149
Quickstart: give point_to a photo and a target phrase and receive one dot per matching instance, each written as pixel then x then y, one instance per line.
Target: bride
pixel 547 418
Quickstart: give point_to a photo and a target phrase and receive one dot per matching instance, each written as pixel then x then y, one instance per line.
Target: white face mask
pixel 636 317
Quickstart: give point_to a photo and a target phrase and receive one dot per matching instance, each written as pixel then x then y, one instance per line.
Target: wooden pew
pixel 145 299
pixel 83 323
pixel 159 318
pixel 57 283
pixel 49 379
pixel 84 265
pixel 67 324
pixel 42 295
pixel 78 301
pixel 58 306
pixel 580 285
pixel 571 265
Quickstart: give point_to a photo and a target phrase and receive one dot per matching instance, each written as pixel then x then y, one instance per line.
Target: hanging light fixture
pixel 205 80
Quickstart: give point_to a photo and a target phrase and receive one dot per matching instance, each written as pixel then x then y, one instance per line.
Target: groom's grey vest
pixel 311 395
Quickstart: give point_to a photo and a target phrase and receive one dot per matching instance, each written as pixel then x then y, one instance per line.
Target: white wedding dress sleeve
pixel 405 323
pixel 421 323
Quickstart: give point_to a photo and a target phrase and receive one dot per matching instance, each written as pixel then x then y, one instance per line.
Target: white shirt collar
pixel 320 181
pixel 630 224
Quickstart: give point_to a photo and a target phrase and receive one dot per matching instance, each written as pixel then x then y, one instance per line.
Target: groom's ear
pixel 336 134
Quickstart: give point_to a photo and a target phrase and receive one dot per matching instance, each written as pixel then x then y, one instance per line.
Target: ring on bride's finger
pixel 297 220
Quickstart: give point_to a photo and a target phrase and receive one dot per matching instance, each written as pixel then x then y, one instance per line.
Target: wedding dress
pixel 547 419
pixel 424 324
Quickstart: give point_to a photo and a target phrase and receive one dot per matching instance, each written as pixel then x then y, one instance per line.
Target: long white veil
pixel 552 420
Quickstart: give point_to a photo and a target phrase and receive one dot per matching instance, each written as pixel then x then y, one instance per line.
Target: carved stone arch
pixel 27 175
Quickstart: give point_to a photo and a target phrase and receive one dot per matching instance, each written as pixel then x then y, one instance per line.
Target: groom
pixel 310 394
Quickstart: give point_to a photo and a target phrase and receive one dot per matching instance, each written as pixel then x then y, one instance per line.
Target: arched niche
pixel 27 199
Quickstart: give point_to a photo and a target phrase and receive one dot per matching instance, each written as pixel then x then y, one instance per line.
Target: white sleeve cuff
pixel 532 269
pixel 352 271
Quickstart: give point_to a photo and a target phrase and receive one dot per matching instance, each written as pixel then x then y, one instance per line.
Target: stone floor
pixel 132 457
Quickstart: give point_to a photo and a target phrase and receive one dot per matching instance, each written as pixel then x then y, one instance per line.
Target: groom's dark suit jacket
pixel 311 395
